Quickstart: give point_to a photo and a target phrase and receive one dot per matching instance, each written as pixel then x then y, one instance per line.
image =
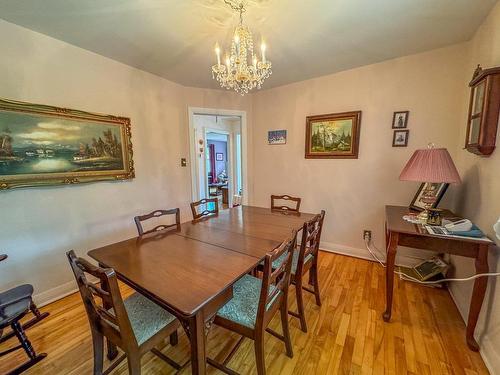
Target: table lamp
pixel 431 165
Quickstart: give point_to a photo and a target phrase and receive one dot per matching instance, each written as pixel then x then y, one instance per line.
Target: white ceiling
pixel 308 38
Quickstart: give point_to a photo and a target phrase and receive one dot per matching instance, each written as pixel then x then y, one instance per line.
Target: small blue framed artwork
pixel 276 137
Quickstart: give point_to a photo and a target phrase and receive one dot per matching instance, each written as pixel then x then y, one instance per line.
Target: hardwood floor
pixel 346 335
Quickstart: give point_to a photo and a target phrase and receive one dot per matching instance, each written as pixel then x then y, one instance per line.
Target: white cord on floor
pixel 406 277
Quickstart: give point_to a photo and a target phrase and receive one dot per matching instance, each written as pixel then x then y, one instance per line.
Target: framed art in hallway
pixel 400 138
pixel 333 136
pixel 276 137
pixel 400 119
pixel 45 145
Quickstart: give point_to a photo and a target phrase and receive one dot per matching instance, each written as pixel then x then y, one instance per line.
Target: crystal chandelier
pixel 242 70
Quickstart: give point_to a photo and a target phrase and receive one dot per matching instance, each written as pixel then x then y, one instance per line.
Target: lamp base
pixel 423 216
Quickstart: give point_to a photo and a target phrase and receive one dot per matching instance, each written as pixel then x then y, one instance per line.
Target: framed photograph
pixel 276 137
pixel 333 136
pixel 219 156
pixel 44 145
pixel 400 120
pixel 400 138
pixel 437 189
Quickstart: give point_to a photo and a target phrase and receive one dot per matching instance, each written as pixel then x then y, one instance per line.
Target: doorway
pixel 218 155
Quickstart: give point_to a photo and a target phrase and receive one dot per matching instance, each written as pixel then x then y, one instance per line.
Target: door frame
pixel 230 161
pixel 193 145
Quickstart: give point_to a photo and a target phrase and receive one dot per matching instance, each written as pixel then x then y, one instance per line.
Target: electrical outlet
pixel 367 234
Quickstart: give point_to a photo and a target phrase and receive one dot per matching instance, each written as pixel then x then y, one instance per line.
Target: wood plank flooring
pixel 346 335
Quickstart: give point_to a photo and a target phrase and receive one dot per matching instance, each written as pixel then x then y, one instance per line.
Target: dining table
pixel 190 270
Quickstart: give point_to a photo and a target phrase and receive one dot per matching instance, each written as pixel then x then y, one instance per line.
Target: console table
pixel 400 232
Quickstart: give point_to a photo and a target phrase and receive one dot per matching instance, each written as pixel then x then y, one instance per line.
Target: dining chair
pixel 277 206
pixel 255 301
pixel 210 207
pixel 305 259
pixel 15 303
pixel 156 214
pixel 136 324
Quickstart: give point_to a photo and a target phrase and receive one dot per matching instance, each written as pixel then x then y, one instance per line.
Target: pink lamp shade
pixel 431 165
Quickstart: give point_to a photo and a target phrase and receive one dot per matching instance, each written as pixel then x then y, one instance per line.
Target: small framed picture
pixel 276 137
pixel 400 120
pixel 400 138
pixel 219 156
pixel 435 189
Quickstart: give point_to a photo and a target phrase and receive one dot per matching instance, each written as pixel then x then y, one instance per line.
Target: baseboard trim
pixel 401 259
pixel 55 294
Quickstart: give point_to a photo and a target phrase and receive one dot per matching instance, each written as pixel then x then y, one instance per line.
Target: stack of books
pixel 433 269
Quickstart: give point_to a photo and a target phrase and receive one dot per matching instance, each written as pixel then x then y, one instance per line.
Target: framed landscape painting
pixel 276 137
pixel 44 145
pixel 333 136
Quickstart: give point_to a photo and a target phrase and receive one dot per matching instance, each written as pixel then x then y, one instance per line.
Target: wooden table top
pixel 181 272
pixel 188 268
pixel 396 223
pixel 258 222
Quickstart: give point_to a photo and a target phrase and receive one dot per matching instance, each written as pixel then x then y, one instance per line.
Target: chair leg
pixel 34 358
pixel 300 306
pixel 174 338
pixel 134 364
pixel 285 329
pixel 314 272
pixel 259 354
pixel 98 345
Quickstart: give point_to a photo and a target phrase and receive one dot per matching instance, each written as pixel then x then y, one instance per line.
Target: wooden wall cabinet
pixel 484 108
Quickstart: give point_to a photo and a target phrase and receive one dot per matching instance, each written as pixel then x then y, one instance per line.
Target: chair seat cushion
pixel 242 308
pixel 15 294
pixel 295 260
pixel 12 311
pixel 146 317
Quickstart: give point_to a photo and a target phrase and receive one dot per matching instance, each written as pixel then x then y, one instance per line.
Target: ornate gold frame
pixel 68 178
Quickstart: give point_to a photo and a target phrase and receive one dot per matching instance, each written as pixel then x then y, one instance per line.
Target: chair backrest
pixel 103 304
pixel 210 207
pixel 311 236
pixel 275 279
pixel 276 206
pixel 156 214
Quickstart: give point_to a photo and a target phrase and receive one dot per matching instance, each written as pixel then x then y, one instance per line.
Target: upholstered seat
pixel 295 260
pixel 146 317
pixel 242 308
pixel 16 294
pixel 13 310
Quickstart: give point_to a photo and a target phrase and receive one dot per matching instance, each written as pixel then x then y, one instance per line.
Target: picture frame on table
pixel 437 189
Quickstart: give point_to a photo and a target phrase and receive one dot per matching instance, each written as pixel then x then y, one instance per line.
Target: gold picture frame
pixel 333 136
pixel 42 145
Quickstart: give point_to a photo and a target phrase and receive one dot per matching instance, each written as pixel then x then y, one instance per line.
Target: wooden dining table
pixel 190 270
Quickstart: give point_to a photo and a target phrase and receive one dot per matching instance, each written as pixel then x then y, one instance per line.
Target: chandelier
pixel 241 71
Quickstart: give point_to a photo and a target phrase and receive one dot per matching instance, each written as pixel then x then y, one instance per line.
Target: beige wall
pixel 39 225
pixel 354 192
pixel 479 196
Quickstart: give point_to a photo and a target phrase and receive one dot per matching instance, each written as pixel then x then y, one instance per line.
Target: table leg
pixel 478 293
pixel 112 352
pixel 389 273
pixel 197 341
